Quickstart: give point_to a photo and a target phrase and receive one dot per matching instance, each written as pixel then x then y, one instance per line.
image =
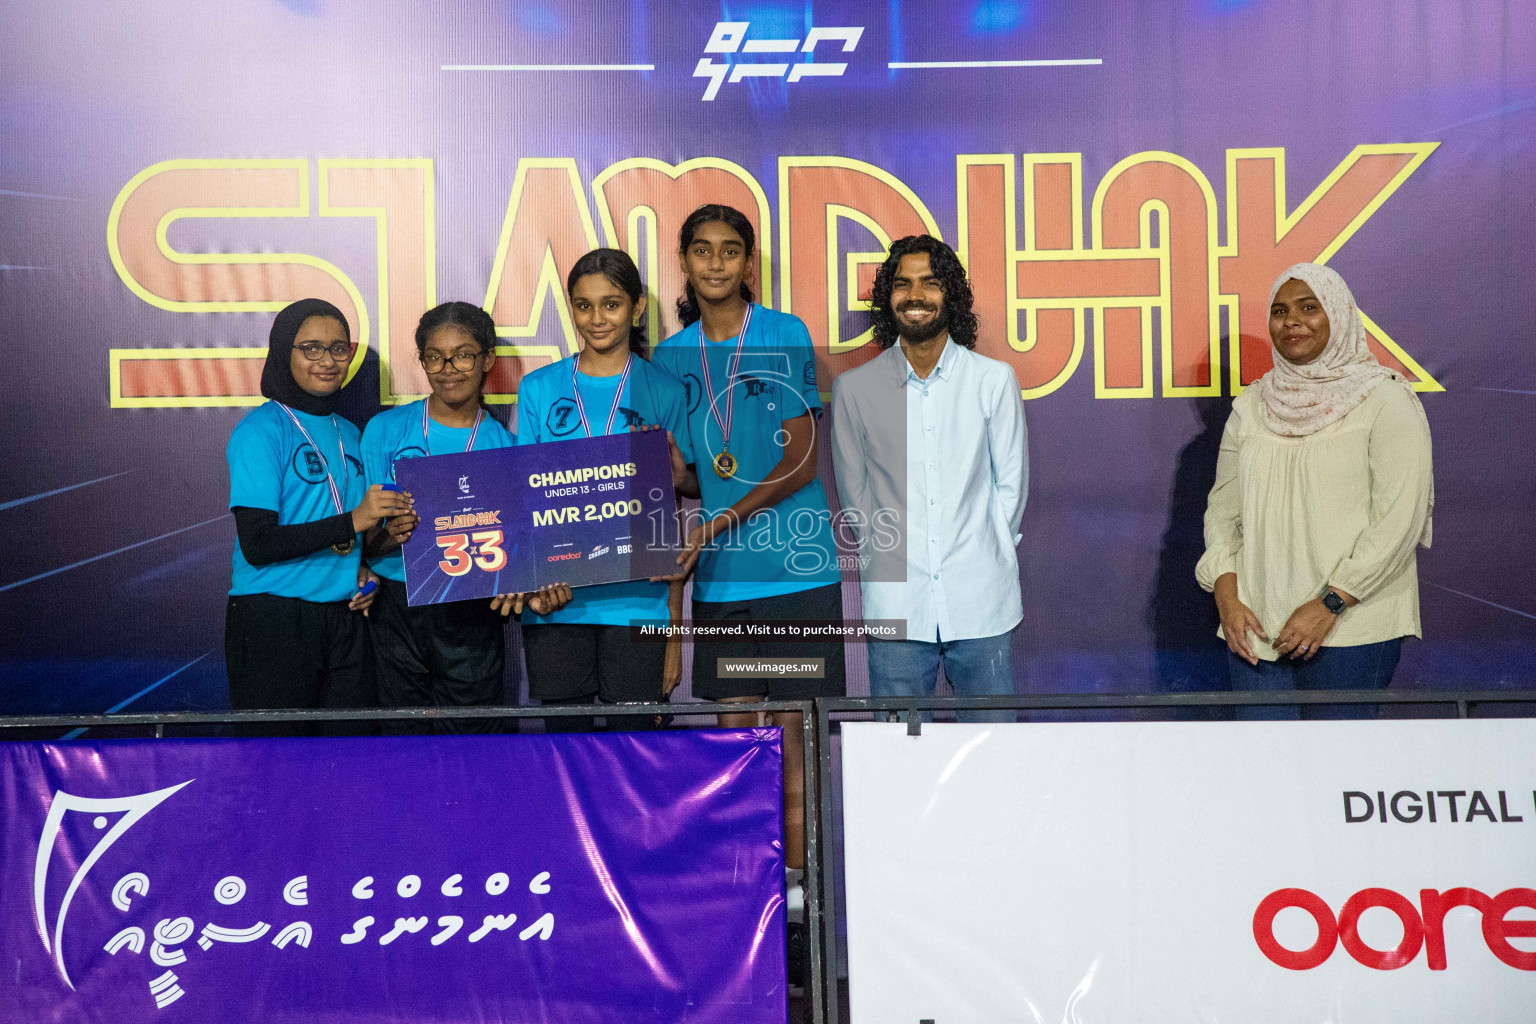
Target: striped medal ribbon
pixel 426 442
pixel 725 462
pixel 618 396
pixel 340 549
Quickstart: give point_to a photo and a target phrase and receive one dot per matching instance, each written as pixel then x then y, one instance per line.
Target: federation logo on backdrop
pixel 730 38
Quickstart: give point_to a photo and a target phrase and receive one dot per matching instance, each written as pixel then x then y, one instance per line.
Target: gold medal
pixel 342 549
pixel 725 462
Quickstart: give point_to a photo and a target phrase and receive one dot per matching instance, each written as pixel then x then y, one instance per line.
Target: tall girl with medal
pixel 584 650
pixel 763 549
pixel 294 634
pixel 451 654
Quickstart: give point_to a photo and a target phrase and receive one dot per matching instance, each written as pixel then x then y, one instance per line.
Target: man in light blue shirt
pixel 929 447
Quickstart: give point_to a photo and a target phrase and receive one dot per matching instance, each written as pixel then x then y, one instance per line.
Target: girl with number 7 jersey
pixel 586 650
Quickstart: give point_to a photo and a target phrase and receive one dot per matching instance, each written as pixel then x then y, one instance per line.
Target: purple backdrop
pixel 344 150
pixel 506 878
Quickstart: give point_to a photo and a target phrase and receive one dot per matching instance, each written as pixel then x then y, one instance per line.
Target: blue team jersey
pixel 272 466
pixel 546 411
pixel 396 434
pixel 791 548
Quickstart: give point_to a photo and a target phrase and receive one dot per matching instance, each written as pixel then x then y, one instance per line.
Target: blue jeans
pixel 1366 667
pixel 975 668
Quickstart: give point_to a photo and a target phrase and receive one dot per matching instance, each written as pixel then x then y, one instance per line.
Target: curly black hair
pixel 947 268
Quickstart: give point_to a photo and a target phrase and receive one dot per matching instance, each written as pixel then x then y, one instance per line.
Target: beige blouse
pixel 1344 507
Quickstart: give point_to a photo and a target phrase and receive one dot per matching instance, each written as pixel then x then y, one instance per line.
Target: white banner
pixel 1274 872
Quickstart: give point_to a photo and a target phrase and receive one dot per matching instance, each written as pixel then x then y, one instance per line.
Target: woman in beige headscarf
pixel 1323 493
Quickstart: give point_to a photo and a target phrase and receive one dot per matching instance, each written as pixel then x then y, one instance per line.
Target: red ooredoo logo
pixel 1423 926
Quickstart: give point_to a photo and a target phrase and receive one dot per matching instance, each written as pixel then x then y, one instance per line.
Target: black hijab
pixel 277 381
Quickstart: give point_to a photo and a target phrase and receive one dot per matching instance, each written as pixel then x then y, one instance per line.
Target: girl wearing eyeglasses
pixel 294 635
pixel 451 654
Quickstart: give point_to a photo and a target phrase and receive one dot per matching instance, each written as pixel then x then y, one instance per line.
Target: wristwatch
pixel 1332 601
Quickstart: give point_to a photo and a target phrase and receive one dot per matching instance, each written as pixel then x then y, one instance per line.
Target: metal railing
pixel 816 723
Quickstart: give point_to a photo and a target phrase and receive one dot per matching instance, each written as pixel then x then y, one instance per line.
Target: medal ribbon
pixel 731 367
pixel 427 442
pixel 335 491
pixel 581 410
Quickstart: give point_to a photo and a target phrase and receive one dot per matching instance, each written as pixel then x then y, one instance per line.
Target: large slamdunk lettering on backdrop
pixel 1173 286
pixel 1123 190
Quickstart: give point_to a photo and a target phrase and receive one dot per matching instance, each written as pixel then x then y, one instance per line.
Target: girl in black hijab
pixel 294 634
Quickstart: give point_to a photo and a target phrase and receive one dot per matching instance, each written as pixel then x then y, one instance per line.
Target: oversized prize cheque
pixel 587 511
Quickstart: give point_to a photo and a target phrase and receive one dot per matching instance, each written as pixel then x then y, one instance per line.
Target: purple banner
pixel 562 878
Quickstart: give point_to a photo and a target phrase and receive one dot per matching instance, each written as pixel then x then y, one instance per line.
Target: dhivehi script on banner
pixel 564 878
pixel 1275 872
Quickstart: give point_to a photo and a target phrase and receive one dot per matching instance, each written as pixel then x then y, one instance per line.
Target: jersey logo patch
pixel 410 451
pixel 307 464
pixel 563 418
pixel 755 387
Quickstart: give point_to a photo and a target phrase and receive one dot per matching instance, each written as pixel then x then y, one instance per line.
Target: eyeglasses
pixel 432 362
pixel 341 351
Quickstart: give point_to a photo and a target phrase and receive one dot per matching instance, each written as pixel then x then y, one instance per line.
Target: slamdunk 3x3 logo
pixel 163 940
pixel 730 38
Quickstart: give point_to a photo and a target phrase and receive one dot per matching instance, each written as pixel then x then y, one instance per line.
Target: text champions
pixel 573 482
pixel 579 476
